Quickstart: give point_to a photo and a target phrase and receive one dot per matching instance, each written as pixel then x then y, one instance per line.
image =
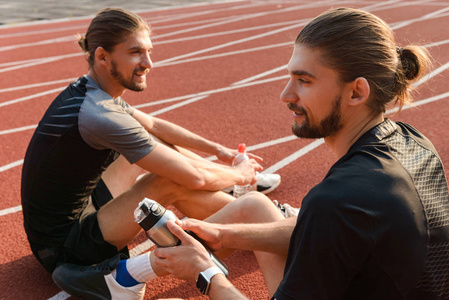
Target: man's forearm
pixel 222 289
pixel 271 237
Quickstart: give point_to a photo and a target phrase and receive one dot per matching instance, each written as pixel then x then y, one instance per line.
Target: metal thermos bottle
pixel 153 218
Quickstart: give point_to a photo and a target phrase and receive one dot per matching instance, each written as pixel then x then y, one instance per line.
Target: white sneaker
pixel 286 209
pixel 95 281
pixel 266 183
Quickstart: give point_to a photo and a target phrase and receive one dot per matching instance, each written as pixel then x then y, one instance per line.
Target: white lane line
pixel 269 72
pixel 11 210
pixel 141 248
pixel 60 296
pixel 436 44
pixel 11 165
pixel 291 158
pixel 433 15
pixel 175 17
pixel 420 103
pixel 43 42
pixel 432 74
pixel 22 87
pixel 177 105
pixel 40 62
pixel 18 129
pixel 175 25
pixel 32 96
pixel 41 32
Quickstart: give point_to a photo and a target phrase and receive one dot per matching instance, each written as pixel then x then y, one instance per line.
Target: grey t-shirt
pixel 107 123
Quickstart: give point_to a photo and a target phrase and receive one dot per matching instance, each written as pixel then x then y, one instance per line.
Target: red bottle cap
pixel 242 148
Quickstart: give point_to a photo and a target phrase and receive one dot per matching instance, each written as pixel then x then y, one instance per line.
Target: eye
pixel 303 81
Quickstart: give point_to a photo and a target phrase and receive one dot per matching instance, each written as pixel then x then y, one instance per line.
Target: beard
pixel 327 127
pixel 127 84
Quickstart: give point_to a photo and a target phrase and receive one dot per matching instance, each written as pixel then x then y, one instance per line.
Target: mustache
pixel 294 107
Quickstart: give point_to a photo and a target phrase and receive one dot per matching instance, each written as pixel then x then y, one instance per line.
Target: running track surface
pixel 219 70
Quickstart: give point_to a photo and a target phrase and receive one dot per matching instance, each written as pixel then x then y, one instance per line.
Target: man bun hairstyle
pixel 356 44
pixel 109 27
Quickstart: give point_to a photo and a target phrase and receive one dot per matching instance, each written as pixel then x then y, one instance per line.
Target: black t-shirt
pixel 376 227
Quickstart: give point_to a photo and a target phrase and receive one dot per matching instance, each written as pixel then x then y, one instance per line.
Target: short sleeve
pixel 107 123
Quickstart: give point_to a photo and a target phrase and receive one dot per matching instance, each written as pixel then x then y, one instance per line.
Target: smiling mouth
pixel 141 75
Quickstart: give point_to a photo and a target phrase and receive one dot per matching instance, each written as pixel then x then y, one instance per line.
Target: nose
pixel 289 94
pixel 146 61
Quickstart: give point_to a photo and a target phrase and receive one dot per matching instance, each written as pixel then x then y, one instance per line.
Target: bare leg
pixel 256 208
pixel 120 176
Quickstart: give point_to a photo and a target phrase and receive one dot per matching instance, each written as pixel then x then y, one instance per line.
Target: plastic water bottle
pixel 241 156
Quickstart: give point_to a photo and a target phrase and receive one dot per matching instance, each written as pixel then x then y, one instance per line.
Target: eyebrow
pixel 138 48
pixel 302 73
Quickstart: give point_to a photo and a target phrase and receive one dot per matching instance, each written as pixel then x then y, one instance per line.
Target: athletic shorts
pixel 84 244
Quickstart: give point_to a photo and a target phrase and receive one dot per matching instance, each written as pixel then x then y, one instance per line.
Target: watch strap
pixel 211 272
pixel 207 276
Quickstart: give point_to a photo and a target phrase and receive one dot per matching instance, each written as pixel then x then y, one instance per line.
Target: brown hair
pixel 356 44
pixel 108 28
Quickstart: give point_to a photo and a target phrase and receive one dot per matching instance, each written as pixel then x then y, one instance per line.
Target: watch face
pixel 202 284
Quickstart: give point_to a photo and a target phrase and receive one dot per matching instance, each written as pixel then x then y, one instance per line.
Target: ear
pixel 360 91
pixel 101 56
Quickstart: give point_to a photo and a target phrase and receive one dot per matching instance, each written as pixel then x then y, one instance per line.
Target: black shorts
pixel 84 244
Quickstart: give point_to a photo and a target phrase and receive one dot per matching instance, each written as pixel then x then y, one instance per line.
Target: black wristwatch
pixel 203 281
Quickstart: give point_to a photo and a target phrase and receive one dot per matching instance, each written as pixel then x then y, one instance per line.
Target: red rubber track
pixel 230 31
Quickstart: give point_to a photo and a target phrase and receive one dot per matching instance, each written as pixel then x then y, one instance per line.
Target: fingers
pixel 183 236
pixel 253 156
pixel 256 166
pixel 190 224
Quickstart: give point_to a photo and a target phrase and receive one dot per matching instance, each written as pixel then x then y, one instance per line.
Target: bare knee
pixel 160 189
pixel 256 207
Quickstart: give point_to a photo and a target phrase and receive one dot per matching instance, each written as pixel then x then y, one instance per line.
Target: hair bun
pixel 82 41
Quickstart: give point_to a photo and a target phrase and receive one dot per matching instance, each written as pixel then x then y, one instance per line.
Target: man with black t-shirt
pixel 377 226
